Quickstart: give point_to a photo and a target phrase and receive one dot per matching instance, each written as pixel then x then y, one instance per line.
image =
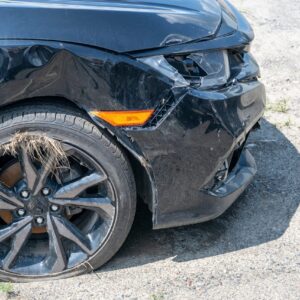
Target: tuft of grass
pixel 281 106
pixel 157 297
pixel 42 148
pixel 244 11
pixel 6 287
pixel 288 123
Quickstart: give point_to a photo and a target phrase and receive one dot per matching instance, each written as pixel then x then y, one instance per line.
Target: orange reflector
pixel 125 118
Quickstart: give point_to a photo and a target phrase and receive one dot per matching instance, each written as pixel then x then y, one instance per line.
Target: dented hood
pixel 121 26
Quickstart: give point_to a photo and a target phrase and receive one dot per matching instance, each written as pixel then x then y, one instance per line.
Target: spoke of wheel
pixel 29 171
pixel 6 206
pixel 43 175
pixel 56 260
pixel 72 233
pixel 75 188
pixel 103 204
pixel 8 198
pixel 19 241
pixel 10 230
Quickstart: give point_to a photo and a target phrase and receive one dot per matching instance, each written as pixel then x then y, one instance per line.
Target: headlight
pixel 160 64
pixel 207 70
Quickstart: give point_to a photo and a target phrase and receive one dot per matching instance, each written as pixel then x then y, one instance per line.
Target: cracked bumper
pixel 217 201
pixel 186 151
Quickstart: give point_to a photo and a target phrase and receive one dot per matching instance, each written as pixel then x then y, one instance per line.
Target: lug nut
pixel 39 220
pixel 46 191
pixel 25 194
pixel 54 207
pixel 21 212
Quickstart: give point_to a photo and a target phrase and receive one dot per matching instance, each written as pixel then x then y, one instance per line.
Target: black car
pixel 106 102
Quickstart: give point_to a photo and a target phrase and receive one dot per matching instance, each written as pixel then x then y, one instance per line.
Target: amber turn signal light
pixel 125 118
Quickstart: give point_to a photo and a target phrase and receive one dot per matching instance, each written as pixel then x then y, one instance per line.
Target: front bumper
pixel 188 148
pixel 218 200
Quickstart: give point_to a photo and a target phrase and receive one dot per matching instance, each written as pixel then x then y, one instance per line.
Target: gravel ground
pixel 251 252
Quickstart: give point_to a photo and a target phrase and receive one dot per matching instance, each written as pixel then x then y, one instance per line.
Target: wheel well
pixel 141 176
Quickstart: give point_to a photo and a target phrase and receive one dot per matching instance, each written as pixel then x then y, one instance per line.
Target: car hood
pixel 121 26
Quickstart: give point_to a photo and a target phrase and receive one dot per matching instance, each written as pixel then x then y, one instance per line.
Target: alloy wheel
pixel 53 220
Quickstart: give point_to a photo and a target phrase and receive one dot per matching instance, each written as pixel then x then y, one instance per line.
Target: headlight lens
pixel 214 67
pixel 160 64
pixel 207 70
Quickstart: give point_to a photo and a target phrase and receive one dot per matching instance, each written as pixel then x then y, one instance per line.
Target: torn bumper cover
pixel 219 198
pixel 195 140
pixel 197 153
pixel 238 179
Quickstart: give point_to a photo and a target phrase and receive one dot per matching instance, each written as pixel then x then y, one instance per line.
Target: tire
pixel 71 127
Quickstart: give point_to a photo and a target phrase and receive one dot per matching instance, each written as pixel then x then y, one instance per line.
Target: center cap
pixel 37 205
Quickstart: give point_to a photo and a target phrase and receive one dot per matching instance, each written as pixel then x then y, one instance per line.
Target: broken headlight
pixel 207 70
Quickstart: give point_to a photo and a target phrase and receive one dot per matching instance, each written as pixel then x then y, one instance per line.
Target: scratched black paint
pixel 180 155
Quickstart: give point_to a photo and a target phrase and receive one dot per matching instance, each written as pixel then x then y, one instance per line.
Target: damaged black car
pixel 106 103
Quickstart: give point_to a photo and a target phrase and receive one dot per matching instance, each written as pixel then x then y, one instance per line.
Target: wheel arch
pixel 141 169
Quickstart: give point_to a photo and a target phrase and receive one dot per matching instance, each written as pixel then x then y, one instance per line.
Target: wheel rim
pixel 58 219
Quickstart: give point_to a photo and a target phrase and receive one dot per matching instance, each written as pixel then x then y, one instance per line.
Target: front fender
pixel 92 79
